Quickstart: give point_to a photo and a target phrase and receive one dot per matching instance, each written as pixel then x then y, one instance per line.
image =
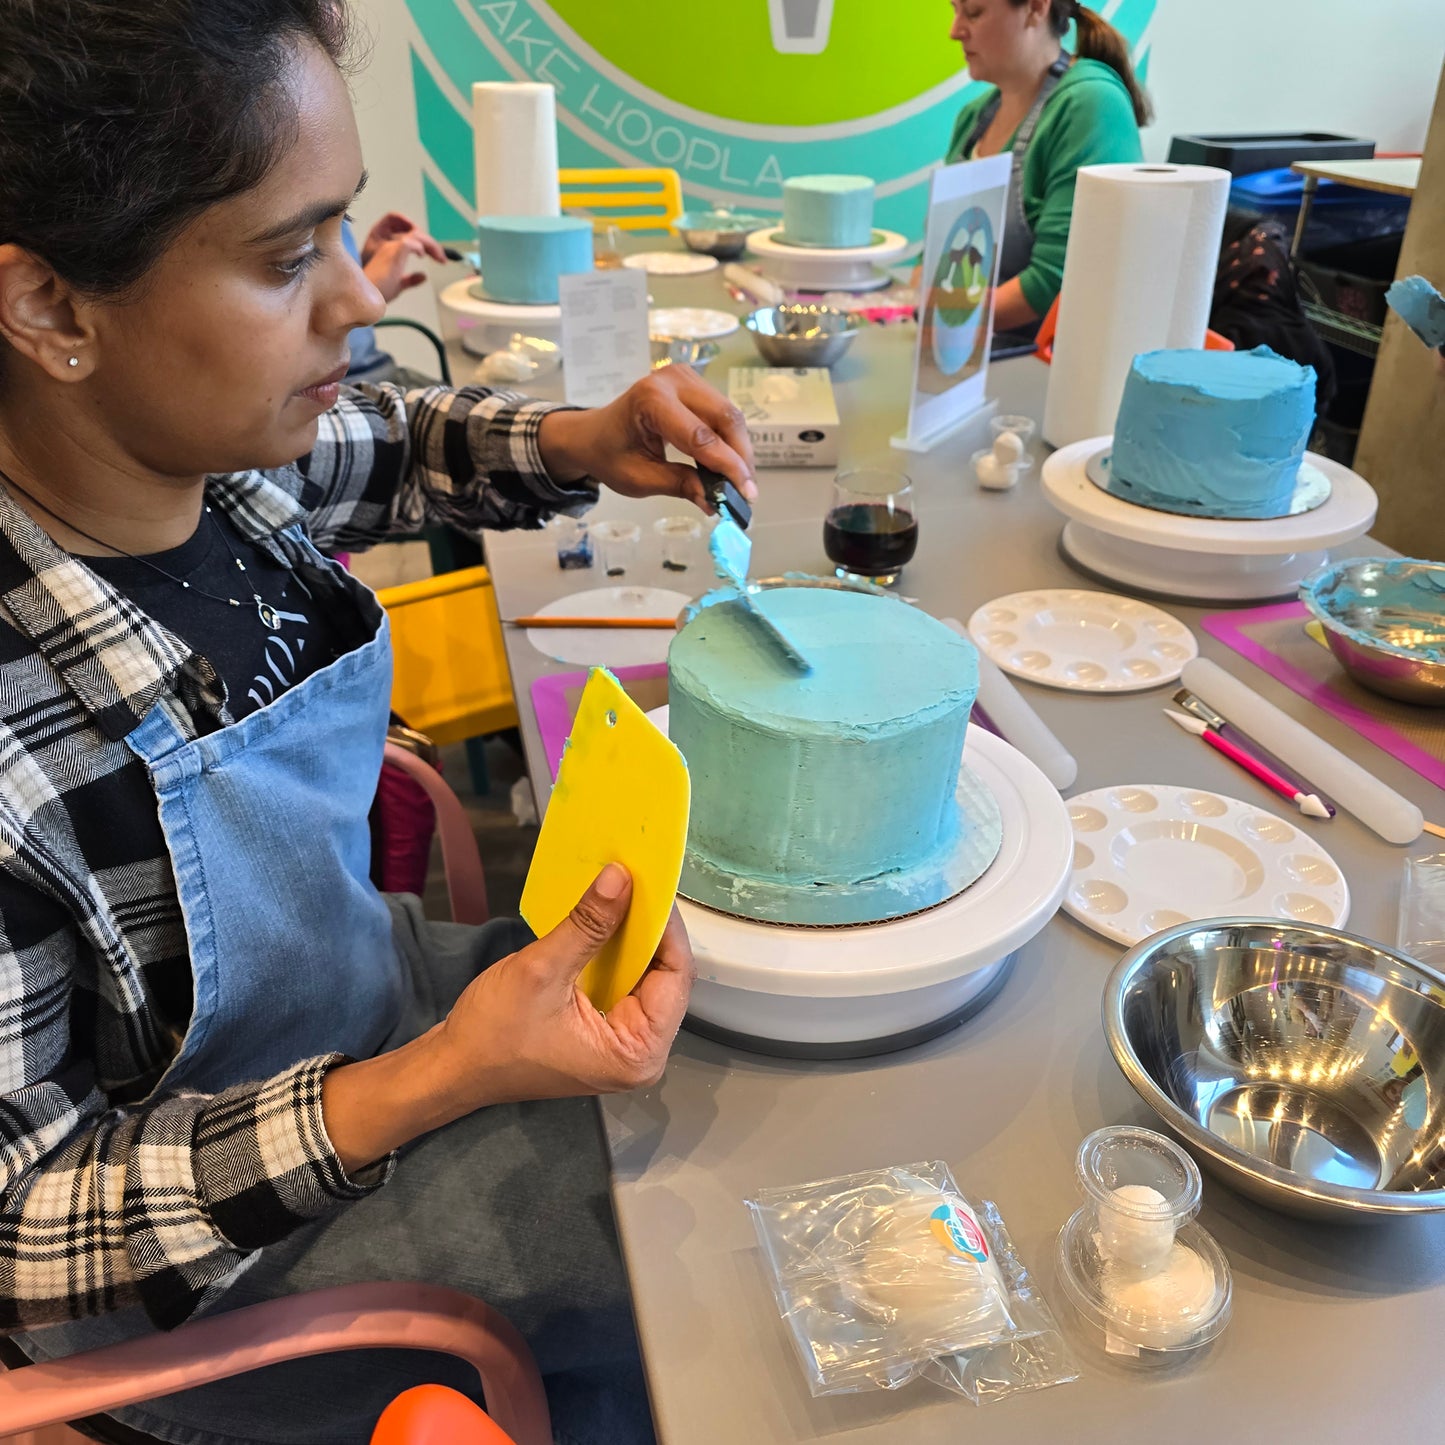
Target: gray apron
pixel 1018 235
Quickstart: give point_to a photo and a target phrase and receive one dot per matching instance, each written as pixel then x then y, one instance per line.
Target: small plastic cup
pixel 616 544
pixel 1147 1286
pixel 1023 427
pixel 574 542
pixel 680 537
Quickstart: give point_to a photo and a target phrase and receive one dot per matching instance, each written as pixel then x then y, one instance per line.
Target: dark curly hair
pixel 122 120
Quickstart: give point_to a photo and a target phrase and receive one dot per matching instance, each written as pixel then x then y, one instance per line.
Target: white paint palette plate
pixel 670 263
pixel 608 647
pixel 691 323
pixel 1083 641
pixel 1150 856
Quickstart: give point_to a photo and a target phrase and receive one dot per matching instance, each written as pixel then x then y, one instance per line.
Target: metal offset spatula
pixel 732 553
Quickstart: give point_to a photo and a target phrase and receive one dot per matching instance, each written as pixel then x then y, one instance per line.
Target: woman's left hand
pixel 623 445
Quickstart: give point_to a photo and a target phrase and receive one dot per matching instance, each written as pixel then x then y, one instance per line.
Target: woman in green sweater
pixel 1055 113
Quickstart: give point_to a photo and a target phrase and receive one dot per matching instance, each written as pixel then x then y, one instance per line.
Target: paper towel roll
pixel 516 146
pixel 1139 275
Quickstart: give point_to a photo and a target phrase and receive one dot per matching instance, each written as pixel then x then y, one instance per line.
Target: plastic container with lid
pixel 1145 1284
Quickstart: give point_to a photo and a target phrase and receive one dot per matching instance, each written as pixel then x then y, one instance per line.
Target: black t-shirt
pixel 316 620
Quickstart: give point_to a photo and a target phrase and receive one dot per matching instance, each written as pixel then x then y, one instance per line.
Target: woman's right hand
pixel 521 1030
pixel 524 1030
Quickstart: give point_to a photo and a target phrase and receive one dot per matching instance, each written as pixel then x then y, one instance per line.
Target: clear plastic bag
pixel 878 1274
pixel 1035 1358
pixel 1420 931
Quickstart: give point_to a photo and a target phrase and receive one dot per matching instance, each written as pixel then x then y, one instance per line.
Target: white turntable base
pixel 820 268
pixel 846 992
pixel 1199 558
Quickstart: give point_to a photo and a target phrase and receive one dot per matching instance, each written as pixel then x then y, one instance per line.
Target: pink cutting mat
pixel 1274 638
pixel 555 700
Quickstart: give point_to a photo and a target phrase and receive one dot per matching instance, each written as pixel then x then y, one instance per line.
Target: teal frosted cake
pixel 831 779
pixel 1212 433
pixel 522 257
pixel 834 212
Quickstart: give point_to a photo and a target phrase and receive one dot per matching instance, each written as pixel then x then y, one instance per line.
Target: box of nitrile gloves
pixel 791 415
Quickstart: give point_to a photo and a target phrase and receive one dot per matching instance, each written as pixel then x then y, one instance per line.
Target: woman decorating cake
pixel 1054 113
pixel 231 1069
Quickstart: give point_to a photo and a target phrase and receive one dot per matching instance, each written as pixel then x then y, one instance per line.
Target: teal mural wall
pixel 736 98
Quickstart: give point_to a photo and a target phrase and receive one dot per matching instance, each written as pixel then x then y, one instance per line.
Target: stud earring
pixel 73 361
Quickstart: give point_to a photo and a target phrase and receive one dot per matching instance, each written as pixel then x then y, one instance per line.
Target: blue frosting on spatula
pixel 732 554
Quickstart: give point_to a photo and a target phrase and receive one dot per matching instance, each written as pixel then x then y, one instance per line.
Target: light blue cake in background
pixel 521 257
pixel 833 212
pixel 1213 433
pixel 836 777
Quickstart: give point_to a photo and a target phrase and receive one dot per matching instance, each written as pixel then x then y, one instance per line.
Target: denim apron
pixel 292 948
pixel 295 954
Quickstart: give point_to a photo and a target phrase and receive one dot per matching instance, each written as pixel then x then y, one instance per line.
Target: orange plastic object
pixel 617 194
pixel 450 678
pixel 1213 341
pixel 435 1415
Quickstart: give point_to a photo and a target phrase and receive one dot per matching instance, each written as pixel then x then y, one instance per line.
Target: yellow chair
pixel 603 192
pixel 450 678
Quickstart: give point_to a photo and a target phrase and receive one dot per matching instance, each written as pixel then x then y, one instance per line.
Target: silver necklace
pixel 264 610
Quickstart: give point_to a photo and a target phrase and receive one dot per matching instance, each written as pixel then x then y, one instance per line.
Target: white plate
pixel 691 323
pixel 670 263
pixel 1149 856
pixel 603 647
pixel 1083 641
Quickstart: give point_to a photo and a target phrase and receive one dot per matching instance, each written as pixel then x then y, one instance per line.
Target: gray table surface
pixel 1335 1329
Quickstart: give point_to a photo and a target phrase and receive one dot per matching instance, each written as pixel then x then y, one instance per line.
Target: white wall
pixel 1360 67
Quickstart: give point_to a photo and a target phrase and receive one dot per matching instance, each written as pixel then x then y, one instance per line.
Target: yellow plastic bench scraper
pixel 621 796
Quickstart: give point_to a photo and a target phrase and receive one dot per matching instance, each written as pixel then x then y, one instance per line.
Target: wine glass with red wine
pixel 871 529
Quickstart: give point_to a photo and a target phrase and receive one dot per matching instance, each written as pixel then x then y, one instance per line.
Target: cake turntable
pixel 488 325
pixel 864 989
pixel 826 268
pixel 1199 559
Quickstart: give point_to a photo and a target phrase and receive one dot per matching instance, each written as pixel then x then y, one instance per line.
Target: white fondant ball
pixel 1129 1239
pixel 1007 447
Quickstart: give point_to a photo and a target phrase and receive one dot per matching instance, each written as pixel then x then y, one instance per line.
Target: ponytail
pixel 1098 40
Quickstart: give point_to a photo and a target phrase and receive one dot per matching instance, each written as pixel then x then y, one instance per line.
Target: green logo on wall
pixel 735 98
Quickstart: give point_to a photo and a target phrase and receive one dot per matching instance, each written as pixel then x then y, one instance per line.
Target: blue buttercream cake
pixel 1213 433
pixel 836 777
pixel 833 212
pixel 521 257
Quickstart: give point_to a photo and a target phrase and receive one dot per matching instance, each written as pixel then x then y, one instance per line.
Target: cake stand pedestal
pixel 1199 559
pixel 851 992
pixel 487 326
pixel 818 268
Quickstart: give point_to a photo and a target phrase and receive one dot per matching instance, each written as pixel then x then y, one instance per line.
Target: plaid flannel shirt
pixel 112 1193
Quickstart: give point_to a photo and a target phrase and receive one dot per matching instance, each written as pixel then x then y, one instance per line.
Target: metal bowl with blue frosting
pixel 1384 619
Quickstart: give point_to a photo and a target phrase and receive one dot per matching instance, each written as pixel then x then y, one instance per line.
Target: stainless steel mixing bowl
pixel 1304 1066
pixel 798 335
pixel 683 351
pixel 723 234
pixel 1382 617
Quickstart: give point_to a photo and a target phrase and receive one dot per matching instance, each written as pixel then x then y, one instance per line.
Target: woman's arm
pixel 387 462
pixel 1011 309
pixel 1089 124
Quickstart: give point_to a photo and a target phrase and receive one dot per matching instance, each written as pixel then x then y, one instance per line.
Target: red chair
pixel 349 1317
